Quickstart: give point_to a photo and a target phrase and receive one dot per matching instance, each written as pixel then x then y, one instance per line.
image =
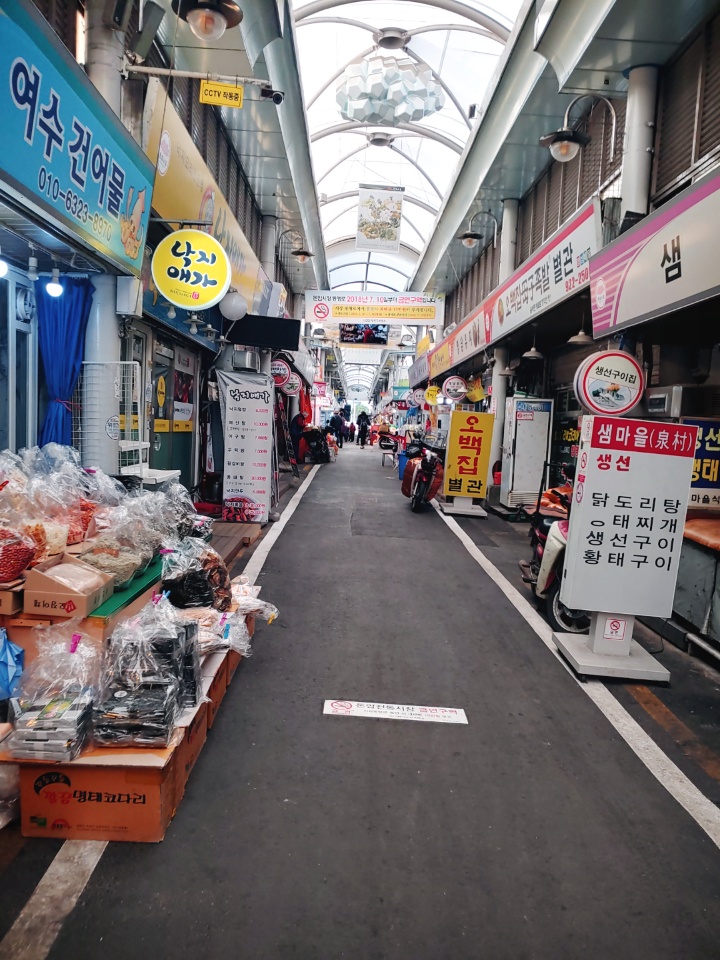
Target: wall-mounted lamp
pixel 565 142
pixel 53 287
pixel 208 19
pixel 470 239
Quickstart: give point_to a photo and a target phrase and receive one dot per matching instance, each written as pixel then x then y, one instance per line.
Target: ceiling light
pixel 391 38
pixel 32 270
pixel 470 240
pixel 301 255
pixel 172 312
pixel 581 339
pixel 193 328
pixel 208 19
pixel 53 287
pixel 564 143
pixel 3 266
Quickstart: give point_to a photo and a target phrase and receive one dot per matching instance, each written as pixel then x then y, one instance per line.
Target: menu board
pixel 246 406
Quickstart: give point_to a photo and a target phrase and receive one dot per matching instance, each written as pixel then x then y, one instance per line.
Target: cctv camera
pixel 277 96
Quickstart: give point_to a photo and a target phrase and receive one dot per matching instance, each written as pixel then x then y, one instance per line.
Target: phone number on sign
pixel 49 184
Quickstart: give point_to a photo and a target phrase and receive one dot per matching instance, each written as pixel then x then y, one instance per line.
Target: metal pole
pixel 639 134
pixel 499 392
pixel 129 67
pixel 104 55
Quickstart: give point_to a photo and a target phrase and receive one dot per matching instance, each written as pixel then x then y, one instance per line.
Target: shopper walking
pixel 336 423
pixel 363 427
pixel 351 434
pixel 346 430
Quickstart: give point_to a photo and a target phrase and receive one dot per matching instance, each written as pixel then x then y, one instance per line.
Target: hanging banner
pixel 63 150
pixel 332 307
pixel 379 218
pixel 628 514
pixel 705 485
pixel 191 270
pixel 246 406
pixel 186 190
pixel 467 458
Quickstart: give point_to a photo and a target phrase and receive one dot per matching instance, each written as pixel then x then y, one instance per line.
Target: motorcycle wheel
pixel 561 618
pixel 418 496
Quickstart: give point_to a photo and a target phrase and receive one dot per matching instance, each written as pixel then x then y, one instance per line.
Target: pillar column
pixel 508 239
pixel 100 403
pixel 104 55
pixel 639 138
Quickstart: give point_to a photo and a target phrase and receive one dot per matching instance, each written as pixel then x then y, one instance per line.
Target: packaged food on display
pixel 16 554
pixel 56 695
pixel 76 576
pixel 195 575
pixel 254 607
pixel 218 632
pixel 112 556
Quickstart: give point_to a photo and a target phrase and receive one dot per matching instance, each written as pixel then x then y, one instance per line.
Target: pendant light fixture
pixel 208 19
pixel 581 339
pixel 53 287
pixel 32 270
pixel 533 353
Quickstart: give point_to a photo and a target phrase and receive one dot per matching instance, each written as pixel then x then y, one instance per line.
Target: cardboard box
pixel 194 723
pixel 214 683
pixel 43 595
pixel 11 601
pixel 105 794
pixel 233 662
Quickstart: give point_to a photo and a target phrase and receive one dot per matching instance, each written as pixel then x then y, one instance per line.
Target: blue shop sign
pixel 705 481
pixel 64 151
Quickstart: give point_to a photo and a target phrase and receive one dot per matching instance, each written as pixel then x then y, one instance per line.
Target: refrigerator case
pixel 526 448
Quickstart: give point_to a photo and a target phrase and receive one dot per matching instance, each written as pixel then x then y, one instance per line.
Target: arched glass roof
pixel 460 41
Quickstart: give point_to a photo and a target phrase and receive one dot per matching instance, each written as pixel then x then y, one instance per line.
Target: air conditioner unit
pixel 246 360
pixel 129 298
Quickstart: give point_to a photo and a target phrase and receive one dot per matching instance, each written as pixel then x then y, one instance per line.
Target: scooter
pixel 548 537
pixel 423 474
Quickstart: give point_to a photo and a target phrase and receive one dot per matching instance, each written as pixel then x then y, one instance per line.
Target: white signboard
pixel 610 382
pixel 419 371
pixel 667 261
pixel 411 309
pixel 394 711
pixel 379 218
pixel 246 405
pixel 559 269
pixel 628 514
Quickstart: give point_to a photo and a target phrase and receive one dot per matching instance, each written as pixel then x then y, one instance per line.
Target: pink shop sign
pixel 668 261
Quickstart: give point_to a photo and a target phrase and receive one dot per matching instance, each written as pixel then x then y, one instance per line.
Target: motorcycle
pixel 423 473
pixel 549 523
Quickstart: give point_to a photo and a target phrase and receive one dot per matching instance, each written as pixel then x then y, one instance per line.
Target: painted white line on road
pixel 393 711
pixel 34 932
pixel 700 808
pixel 257 561
pixel 32 935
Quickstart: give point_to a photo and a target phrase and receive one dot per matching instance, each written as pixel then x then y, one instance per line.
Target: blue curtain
pixel 62 322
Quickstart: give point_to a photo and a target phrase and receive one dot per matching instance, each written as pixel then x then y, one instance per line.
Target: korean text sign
pixel 63 148
pixel 705 485
pixel 628 514
pixel 246 404
pixel 191 269
pixel 467 458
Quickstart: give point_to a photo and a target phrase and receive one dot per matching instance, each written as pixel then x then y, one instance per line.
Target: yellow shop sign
pixel 191 270
pixel 221 94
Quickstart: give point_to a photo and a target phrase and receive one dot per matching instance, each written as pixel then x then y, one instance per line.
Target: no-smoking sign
pixel 321 311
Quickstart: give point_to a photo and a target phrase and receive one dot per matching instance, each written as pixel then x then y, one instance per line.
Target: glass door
pixel 18 363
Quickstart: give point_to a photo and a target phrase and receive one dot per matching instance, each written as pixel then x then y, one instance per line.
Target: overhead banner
pixel 63 150
pixel 186 190
pixel 669 260
pixel 379 218
pixel 419 371
pixel 558 270
pixel 246 406
pixel 329 308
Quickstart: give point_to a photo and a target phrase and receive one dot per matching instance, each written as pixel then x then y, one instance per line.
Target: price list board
pixel 628 514
pixel 246 404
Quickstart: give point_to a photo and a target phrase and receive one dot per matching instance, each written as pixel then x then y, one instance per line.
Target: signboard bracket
pixel 589 655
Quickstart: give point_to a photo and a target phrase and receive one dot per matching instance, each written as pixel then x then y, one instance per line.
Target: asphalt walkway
pixel 532 832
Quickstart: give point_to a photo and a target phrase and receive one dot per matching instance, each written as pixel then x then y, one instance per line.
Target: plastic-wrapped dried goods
pixel 104 489
pixel 195 575
pixel 80 578
pixel 122 565
pixel 218 632
pixel 182 507
pixel 49 537
pixel 56 695
pixel 16 554
pixel 254 607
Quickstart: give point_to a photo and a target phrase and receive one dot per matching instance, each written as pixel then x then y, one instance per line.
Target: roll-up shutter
pixel 211 142
pixel 552 215
pixel 571 174
pixel 538 224
pixel 676 126
pixel 223 150
pixel 197 117
pixel 61 15
pixel 181 99
pixel 710 107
